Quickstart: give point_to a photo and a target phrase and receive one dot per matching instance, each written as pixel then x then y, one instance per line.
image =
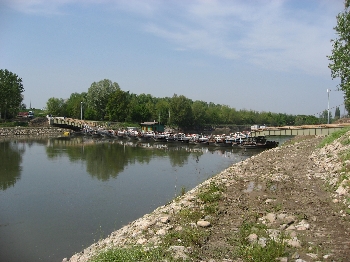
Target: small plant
pixel 211 194
pixel 183 191
pixel 255 251
pixel 133 254
pixel 187 216
pixel 188 236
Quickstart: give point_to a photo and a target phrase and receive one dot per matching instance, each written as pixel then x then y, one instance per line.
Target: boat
pixel 146 136
pixel 258 142
pixel 182 138
pixel 160 137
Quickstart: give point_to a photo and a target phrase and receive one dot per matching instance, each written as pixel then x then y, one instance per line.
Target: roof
pixel 149 123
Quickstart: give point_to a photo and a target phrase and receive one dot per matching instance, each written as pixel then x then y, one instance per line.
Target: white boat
pixel 146 136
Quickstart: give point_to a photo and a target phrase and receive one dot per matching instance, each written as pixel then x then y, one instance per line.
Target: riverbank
pixel 291 203
pixel 10 132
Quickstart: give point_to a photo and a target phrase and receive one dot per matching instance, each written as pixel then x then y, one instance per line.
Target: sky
pixel 261 55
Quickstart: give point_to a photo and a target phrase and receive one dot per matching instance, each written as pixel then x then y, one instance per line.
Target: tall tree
pixel 11 89
pixel 56 106
pixel 181 111
pixel 162 110
pixel 340 58
pixel 337 112
pixel 324 117
pixel 118 106
pixel 75 105
pixel 199 109
pixel 98 96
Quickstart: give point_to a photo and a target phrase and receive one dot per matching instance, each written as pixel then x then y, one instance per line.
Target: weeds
pixel 133 254
pixel 335 135
pixel 211 194
pixel 255 251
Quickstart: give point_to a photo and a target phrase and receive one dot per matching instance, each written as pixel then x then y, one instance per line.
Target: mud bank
pixel 296 190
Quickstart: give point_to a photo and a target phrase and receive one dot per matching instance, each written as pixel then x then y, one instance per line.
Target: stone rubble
pixel 10 132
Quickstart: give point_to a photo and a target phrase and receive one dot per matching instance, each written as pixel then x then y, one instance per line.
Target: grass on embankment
pixel 193 238
pixel 335 135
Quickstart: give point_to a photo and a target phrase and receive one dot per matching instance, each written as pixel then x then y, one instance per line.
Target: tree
pixel 199 113
pixel 74 105
pixel 118 106
pixel 162 110
pixel 98 96
pixel 11 89
pixel 340 58
pixel 324 117
pixel 337 112
pixel 181 111
pixel 56 106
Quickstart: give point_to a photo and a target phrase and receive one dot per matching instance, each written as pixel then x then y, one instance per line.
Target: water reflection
pixel 11 159
pixel 105 159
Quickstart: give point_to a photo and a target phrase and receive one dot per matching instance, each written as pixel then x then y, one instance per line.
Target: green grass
pixel 13 124
pixel 335 135
pixel 133 254
pixel 254 251
pixel 189 237
pixel 211 194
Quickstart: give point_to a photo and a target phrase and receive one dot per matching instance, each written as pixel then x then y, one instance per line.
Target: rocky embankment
pixel 298 192
pixel 29 131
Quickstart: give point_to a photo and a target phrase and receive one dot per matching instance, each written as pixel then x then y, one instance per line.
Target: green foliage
pixel 181 111
pixel 118 106
pixel 107 102
pixel 340 58
pixel 13 124
pixel 323 119
pixel 11 89
pixel 211 194
pixel 337 112
pixel 254 251
pixel 56 107
pixel 307 120
pixel 98 95
pixel 335 135
pixel 189 236
pixel 75 104
pixel 132 254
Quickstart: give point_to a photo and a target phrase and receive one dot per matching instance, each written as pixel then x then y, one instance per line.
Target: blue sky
pixel 255 55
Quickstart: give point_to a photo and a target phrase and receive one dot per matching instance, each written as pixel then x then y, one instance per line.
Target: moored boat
pixel 258 142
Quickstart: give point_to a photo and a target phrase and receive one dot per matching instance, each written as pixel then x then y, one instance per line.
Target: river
pixel 59 195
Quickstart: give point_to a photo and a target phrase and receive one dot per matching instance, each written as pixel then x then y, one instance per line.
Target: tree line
pixel 106 101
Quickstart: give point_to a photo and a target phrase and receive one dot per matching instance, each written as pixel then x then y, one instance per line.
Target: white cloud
pixel 271 34
pixel 265 33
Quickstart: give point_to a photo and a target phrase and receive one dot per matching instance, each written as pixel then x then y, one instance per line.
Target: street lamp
pixel 81 110
pixel 328 91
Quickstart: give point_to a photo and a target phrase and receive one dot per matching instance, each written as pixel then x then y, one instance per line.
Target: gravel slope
pixel 295 189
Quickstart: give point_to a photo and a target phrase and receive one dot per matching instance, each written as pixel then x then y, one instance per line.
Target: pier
pixel 323 129
pixel 306 130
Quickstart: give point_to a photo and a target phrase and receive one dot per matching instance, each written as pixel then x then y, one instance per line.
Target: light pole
pixel 81 110
pixel 328 90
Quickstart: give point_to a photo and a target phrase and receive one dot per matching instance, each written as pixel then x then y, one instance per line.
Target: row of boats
pixel 240 139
